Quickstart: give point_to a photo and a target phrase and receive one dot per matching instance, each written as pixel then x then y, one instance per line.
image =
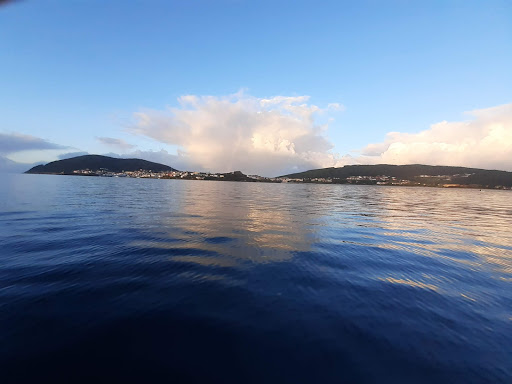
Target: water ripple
pixel 253 282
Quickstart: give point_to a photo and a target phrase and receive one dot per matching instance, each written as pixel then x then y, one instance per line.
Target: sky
pixel 265 87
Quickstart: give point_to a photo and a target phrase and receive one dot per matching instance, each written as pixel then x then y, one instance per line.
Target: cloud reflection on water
pixel 261 223
pixel 246 223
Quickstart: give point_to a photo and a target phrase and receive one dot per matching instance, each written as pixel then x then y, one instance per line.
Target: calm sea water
pixel 133 280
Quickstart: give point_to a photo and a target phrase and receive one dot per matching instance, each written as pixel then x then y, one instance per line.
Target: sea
pixel 121 280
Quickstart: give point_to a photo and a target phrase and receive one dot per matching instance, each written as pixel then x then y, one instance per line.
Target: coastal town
pixel 182 175
pixel 443 181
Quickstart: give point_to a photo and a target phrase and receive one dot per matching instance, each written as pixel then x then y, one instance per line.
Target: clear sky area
pixel 265 87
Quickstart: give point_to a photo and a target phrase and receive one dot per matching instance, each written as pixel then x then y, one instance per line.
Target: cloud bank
pixel 485 141
pixel 16 142
pixel 279 135
pixel 268 136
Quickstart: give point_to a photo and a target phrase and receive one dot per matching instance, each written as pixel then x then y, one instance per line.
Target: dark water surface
pixel 133 280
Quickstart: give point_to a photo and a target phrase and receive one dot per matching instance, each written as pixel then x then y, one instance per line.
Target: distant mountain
pixel 461 175
pixel 9 166
pixel 97 162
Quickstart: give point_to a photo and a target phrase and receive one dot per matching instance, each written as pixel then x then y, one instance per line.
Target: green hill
pixel 97 162
pixel 460 175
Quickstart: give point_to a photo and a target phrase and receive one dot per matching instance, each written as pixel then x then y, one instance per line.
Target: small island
pixel 381 174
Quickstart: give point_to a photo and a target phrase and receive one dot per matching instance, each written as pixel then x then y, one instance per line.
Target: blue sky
pixel 74 72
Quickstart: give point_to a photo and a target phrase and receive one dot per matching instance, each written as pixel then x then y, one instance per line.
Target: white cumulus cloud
pixel 268 136
pixel 484 141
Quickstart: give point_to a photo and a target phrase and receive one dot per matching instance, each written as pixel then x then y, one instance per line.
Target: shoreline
pixel 278 180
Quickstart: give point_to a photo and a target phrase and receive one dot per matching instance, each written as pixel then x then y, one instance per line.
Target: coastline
pixel 281 180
